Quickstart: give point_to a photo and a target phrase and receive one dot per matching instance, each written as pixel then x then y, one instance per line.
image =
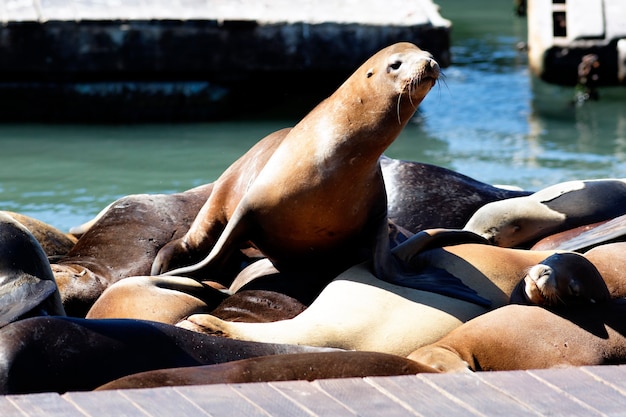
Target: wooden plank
pixel 44 405
pixel 164 401
pixel 584 391
pixel 363 398
pixel 477 395
pixel 585 388
pixel 312 398
pixel 419 395
pixel 541 397
pixel 614 376
pixel 102 403
pixel 220 400
pixel 270 400
pixel 8 409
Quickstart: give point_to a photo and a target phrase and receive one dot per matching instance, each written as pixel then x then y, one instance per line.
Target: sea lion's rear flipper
pixel 394 266
pixel 435 238
pixel 235 233
pixel 439 281
pixel 20 296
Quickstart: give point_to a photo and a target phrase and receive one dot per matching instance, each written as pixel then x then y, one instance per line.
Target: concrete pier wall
pixel 137 60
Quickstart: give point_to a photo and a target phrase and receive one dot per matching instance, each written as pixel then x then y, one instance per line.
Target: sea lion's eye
pixel 394 66
pixel 369 73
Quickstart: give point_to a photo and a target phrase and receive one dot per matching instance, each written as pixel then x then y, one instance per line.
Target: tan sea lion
pixel 171 299
pixel 122 243
pixel 288 367
pixel 163 299
pixel 358 311
pixel 610 262
pixel 27 286
pixel 516 337
pixel 313 197
pixel 522 221
pixel 54 242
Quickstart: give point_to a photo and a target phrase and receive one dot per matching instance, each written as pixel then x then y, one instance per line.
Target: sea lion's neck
pixel 352 128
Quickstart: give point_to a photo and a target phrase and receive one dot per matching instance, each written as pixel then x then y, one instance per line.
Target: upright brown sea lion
pixel 517 337
pixel 122 243
pixel 522 221
pixel 313 197
pixel 27 286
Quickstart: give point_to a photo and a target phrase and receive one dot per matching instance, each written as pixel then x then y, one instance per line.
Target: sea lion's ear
pixel 370 72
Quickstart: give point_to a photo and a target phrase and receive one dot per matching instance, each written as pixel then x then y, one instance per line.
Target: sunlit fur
pixel 541 287
pixel 432 73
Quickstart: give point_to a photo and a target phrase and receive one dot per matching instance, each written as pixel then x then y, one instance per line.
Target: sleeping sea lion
pixel 566 279
pixel 288 367
pixel 522 221
pixel 518 337
pixel 59 354
pixel 358 311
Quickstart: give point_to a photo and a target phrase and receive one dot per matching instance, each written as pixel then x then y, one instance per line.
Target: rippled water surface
pixel 488 119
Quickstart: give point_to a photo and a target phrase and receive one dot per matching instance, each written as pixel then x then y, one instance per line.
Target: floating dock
pixel 568 392
pixel 137 60
pixel 578 41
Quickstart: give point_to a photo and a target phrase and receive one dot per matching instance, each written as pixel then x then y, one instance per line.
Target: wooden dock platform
pixel 139 60
pixel 584 391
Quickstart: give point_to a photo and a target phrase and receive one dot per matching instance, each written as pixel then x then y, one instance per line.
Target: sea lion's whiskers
pixel 557 297
pixel 411 85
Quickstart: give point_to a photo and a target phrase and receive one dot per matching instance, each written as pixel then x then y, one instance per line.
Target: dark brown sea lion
pixel 258 306
pixel 122 243
pixel 60 354
pixel 54 242
pixel 518 337
pixel 567 279
pixel 295 366
pixel 522 221
pixel 423 196
pixel 27 286
pixel 313 197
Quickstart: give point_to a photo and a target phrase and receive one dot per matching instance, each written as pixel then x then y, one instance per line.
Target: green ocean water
pixel 488 118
